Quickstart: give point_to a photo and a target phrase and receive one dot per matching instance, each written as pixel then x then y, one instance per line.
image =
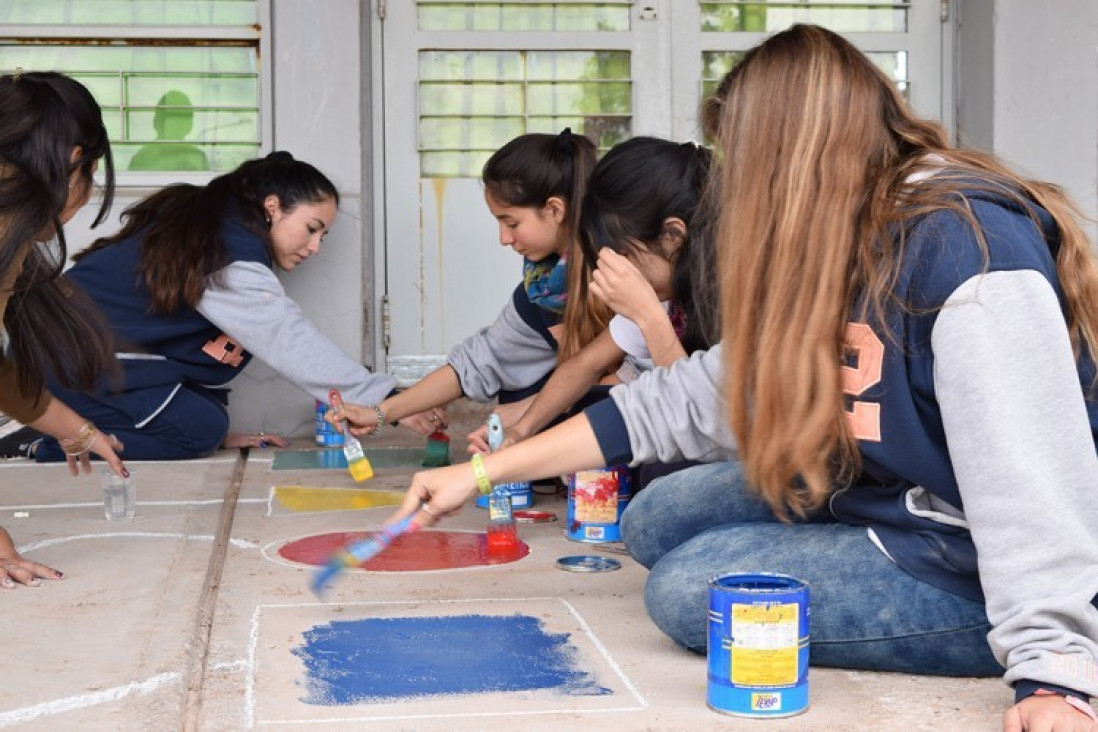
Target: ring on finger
pixel 427 510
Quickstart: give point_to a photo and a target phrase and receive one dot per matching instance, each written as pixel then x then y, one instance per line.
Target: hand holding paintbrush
pixel 352 449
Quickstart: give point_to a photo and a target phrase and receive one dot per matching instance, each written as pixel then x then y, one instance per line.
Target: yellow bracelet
pixel 483 484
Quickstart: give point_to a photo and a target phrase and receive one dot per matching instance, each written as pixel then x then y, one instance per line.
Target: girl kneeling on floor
pixel 189 288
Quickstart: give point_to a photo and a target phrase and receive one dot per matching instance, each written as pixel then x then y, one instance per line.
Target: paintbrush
pixel 359 552
pixel 438 450
pixel 352 449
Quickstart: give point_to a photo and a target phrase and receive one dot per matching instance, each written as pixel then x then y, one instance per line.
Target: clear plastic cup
pixel 119 495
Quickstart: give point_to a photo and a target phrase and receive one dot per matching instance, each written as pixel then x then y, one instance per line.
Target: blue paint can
pixel 522 495
pixel 326 434
pixel 596 499
pixel 758 645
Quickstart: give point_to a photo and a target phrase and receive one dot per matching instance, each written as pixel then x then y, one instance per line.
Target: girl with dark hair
pixel 905 396
pixel 636 223
pixel 533 186
pixel 189 288
pixel 51 140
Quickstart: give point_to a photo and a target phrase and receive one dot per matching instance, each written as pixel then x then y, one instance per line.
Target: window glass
pixel 172 100
pixel 849 16
pixel 128 12
pixel 576 15
pixel 472 102
pixel 715 64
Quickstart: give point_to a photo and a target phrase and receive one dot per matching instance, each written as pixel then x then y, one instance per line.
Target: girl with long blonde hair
pixel 905 396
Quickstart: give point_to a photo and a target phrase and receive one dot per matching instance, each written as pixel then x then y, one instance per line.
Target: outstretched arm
pixel 430 394
pixel 568 447
pixel 569 382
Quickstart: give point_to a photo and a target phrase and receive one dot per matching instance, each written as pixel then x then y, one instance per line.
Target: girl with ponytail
pixel 533 186
pixel 189 288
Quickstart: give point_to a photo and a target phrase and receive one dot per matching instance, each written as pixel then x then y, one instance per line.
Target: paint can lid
pixel 588 563
pixel 533 516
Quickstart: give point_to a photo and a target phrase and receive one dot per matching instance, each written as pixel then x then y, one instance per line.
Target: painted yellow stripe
pixel 310 498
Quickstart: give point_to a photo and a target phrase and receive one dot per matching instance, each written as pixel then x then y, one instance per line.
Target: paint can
pixel 522 495
pixel 326 434
pixel 758 645
pixel 596 499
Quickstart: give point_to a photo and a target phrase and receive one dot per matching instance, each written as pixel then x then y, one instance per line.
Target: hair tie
pixel 564 141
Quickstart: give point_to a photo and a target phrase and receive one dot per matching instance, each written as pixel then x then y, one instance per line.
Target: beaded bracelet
pixel 380 420
pixel 82 442
pixel 483 484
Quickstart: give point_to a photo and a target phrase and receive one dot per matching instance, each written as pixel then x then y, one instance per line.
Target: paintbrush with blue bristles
pixel 359 552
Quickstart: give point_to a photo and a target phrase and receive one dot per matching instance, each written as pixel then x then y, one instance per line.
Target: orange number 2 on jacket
pixel 864 417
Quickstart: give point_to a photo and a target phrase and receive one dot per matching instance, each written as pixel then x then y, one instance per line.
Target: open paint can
pixel 758 645
pixel 596 499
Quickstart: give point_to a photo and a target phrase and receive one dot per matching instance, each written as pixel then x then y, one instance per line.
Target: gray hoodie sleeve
pixel 252 308
pixel 508 354
pixel 1025 461
pixel 677 413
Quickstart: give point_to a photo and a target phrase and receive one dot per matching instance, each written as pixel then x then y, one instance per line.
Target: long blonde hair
pixel 817 146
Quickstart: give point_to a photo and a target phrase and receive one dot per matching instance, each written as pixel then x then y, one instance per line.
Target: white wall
pixel 1041 111
pixel 317 117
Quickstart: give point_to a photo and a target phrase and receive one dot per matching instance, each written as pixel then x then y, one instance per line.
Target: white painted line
pixel 83 701
pixel 238 543
pixel 28 463
pixel 203 502
pixel 250 680
pixel 605 653
pixel 452 715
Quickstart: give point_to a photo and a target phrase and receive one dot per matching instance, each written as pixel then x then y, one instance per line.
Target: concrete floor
pixel 186 617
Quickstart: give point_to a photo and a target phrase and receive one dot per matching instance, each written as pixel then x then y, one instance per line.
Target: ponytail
pixel 182 248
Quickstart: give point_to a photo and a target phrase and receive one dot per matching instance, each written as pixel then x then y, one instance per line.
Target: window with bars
pixel 472 102
pixel 847 16
pixel 524 15
pixel 179 80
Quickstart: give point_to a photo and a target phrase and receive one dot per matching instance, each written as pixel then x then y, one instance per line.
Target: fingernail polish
pixel 59 573
pixel 125 473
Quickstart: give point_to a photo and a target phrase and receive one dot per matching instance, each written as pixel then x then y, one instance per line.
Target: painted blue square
pixel 389 659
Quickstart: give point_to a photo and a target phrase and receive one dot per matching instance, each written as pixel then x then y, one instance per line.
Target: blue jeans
pixel 866 612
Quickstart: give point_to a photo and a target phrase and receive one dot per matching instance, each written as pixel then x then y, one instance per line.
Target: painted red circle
pixel 418 552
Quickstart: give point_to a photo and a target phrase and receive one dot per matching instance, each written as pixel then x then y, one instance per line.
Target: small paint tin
pixel 326 434
pixel 758 645
pixel 596 499
pixel 533 516
pixel 588 563
pixel 522 495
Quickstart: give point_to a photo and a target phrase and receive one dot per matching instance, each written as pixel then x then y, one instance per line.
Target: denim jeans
pixel 866 612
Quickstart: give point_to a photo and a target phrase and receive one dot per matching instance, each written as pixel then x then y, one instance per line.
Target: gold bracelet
pixel 82 442
pixel 483 484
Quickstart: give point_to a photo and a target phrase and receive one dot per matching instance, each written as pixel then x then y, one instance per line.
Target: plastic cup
pixel 119 495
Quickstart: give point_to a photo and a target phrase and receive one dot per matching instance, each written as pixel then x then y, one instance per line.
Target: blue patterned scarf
pixel 546 282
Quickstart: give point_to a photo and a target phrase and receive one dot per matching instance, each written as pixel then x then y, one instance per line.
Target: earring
pixel 268 219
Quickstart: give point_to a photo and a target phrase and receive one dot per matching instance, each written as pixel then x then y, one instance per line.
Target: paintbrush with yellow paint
pixel 352 449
